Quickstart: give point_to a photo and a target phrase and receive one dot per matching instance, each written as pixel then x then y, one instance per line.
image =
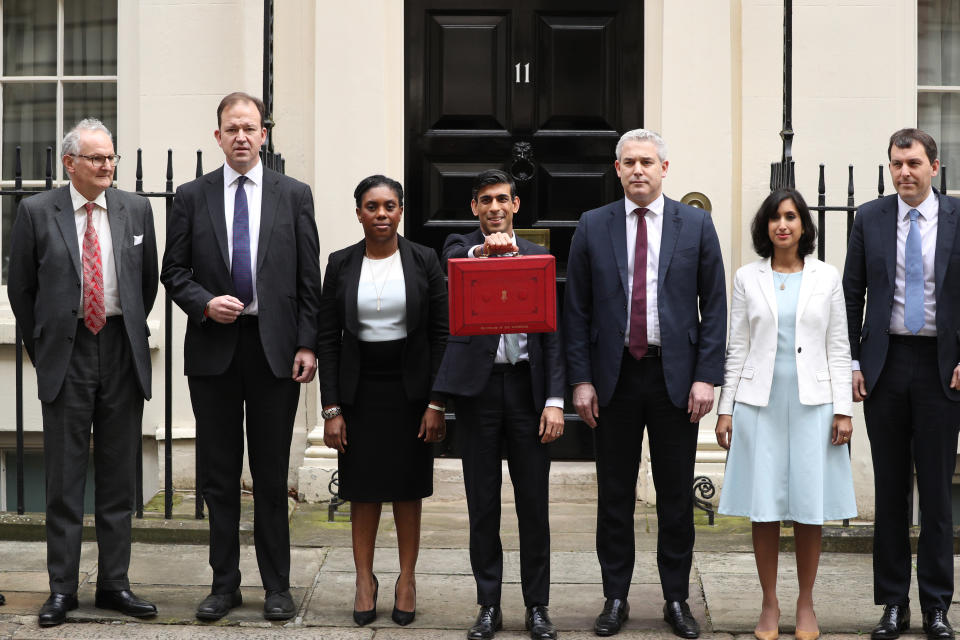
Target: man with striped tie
pixel 242 261
pixel 904 257
pixel 81 282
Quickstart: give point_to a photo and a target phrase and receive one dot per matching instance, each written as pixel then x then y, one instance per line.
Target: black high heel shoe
pixel 402 618
pixel 366 617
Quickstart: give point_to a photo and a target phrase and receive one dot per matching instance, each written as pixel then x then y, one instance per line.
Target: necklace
pixel 386 273
pixel 783 280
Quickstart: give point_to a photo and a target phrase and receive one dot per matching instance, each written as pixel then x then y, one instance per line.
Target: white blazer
pixel 822 344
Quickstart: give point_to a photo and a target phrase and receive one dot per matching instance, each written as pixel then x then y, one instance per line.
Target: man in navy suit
pixel 508 391
pixel 904 256
pixel 645 317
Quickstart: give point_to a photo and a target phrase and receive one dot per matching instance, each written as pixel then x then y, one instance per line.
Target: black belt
pixel 653 351
pixel 504 367
pixel 898 338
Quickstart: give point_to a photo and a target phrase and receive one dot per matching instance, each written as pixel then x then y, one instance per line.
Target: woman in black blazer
pixel 383 328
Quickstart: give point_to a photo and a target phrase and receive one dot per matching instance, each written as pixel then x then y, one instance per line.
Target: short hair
pixel 239 96
pixel 71 141
pixel 768 209
pixel 643 135
pixel 376 181
pixel 491 177
pixel 904 139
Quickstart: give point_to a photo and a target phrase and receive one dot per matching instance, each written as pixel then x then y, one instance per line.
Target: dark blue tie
pixel 240 265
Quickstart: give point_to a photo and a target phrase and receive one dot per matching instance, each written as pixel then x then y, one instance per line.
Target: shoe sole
pixel 279 616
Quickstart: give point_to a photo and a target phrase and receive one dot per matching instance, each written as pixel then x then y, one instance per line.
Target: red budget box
pixel 502 295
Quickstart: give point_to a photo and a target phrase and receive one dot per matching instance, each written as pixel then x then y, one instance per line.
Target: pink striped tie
pixel 94 311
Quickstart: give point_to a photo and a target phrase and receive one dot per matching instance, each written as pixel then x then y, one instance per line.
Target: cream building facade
pixel 712 86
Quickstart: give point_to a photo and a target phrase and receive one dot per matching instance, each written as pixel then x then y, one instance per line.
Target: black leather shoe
pixel 894 621
pixel 368 616
pixel 538 623
pixel 677 615
pixel 401 617
pixel 125 602
pixel 3 600
pixel 217 605
pixel 278 605
pixel 54 610
pixel 936 625
pixel 489 621
pixel 615 613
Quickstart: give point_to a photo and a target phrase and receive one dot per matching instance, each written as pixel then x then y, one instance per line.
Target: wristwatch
pixel 332 412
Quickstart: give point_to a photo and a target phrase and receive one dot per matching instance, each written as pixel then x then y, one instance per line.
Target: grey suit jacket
pixel 45 280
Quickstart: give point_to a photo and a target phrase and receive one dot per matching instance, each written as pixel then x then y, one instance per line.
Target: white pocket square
pixel 137 240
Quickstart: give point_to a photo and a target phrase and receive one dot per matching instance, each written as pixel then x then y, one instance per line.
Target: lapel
pixel 351 280
pixel 68 227
pixel 808 283
pixel 888 236
pixel 213 191
pixel 410 277
pixel 672 224
pixel 946 233
pixel 617 227
pixel 765 282
pixel 270 198
pixel 117 218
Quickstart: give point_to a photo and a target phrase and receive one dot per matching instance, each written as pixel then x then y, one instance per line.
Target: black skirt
pixel 385 461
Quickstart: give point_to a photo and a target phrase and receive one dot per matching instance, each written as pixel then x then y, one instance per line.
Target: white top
pixel 253 187
pixel 111 291
pixel 927 222
pixel 654 218
pixel 382 300
pixel 501 357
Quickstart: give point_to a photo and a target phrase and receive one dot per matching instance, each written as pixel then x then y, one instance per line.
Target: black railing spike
pixel 822 184
pixel 199 163
pixel 880 182
pixel 793 174
pixel 773 174
pixel 943 179
pixel 139 185
pixel 17 170
pixel 169 170
pixel 48 173
pixel 850 202
pixel 821 213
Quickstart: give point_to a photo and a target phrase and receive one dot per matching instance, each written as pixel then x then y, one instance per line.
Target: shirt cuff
pixel 554 402
pixel 855 365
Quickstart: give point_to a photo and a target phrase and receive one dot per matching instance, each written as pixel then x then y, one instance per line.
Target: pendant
pixel 783 287
pixel 378 302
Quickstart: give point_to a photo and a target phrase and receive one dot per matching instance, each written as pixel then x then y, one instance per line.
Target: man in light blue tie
pixel 904 256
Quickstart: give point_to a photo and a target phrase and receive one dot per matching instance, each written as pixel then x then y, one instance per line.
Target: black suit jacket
pixel 691 300
pixel 338 349
pixel 871 269
pixel 468 360
pixel 45 280
pixel 196 269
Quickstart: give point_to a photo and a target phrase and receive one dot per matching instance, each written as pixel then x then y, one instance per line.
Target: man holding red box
pixel 508 391
pixel 645 322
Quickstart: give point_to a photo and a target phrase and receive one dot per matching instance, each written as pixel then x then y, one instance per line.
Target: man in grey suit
pixel 243 262
pixel 82 281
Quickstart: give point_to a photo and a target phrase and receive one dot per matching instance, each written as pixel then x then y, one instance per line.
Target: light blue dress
pixel 781 464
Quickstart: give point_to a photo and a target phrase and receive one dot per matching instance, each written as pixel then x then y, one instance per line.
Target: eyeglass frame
pixel 114 159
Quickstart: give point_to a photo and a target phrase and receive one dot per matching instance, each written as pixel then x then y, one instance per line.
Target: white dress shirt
pixel 111 292
pixel 501 357
pixel 654 218
pixel 254 190
pixel 927 222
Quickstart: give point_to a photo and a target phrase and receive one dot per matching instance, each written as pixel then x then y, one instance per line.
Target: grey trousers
pixel 100 389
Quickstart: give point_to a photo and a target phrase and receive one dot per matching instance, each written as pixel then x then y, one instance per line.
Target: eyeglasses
pixel 99 161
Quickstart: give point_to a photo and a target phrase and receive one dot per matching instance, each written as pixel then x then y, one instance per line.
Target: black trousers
pixel 271 406
pixel 100 388
pixel 906 410
pixel 504 415
pixel 640 400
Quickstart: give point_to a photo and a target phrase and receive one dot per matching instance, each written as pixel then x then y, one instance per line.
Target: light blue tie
pixel 913 287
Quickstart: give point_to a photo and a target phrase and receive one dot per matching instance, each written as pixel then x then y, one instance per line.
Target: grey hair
pixel 71 141
pixel 644 135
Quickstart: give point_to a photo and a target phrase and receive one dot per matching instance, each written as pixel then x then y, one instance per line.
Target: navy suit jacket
pixel 691 300
pixel 871 267
pixel 468 360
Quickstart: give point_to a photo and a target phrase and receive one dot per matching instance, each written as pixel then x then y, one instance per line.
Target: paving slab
pixel 96 631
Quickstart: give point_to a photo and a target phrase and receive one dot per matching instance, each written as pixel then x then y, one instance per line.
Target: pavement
pixel 724 592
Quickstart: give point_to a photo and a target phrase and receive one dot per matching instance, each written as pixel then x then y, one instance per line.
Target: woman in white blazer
pixel 786 402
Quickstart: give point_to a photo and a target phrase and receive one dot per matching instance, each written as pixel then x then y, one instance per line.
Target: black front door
pixel 539 88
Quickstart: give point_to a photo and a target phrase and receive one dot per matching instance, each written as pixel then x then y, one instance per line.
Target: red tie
pixel 94 312
pixel 638 296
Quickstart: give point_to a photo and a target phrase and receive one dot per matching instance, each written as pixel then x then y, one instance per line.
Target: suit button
pixel 799 349
pixel 70 339
pixel 621 332
pixel 73 311
pixel 78 285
